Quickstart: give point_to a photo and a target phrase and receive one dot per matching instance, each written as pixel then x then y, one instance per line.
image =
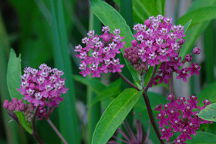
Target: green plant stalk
pixel 11 128
pixel 209 50
pixel 68 120
pixel 94 111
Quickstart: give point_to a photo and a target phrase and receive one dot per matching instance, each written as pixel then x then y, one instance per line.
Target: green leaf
pixel 208 93
pixel 148 6
pixel 94 83
pixel 191 37
pixel 202 138
pixel 13 82
pixel 187 25
pixel 208 113
pixel 194 32
pixel 201 4
pixel 112 90
pixel 110 17
pixel 114 115
pixel 199 15
pixel 209 50
pixel 25 124
pixel 148 75
pixel 14 75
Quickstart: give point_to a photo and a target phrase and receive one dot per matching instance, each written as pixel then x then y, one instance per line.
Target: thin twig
pixel 57 131
pixel 34 133
pixel 128 81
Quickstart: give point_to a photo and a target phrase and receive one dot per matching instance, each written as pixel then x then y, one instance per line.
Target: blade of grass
pixel 209 49
pixel 10 128
pixel 67 111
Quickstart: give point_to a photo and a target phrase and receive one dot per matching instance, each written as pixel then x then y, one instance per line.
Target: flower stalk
pixel 56 131
pixel 34 133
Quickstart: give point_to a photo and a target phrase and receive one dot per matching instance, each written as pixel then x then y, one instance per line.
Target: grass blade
pixel 67 111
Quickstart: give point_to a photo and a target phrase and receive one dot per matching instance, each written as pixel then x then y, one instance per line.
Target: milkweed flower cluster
pixel 99 54
pixel 179 66
pixel 42 89
pixel 14 105
pixel 156 41
pixel 180 116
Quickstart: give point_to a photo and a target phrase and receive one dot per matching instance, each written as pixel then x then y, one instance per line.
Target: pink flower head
pixel 196 50
pixel 43 87
pixel 14 105
pixel 99 53
pixel 157 41
pixel 180 116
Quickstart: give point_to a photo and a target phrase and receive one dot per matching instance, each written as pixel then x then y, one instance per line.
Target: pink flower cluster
pixel 99 54
pixel 14 105
pixel 180 116
pixel 177 65
pixel 156 41
pixel 43 88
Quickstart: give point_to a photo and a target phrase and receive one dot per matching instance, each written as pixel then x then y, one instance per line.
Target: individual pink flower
pixel 99 53
pixel 179 116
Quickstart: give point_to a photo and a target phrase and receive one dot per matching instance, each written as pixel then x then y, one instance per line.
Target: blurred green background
pixel 46 31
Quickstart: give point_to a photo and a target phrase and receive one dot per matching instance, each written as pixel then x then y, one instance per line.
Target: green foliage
pixel 110 91
pixel 13 83
pixel 195 31
pixel 14 75
pixel 202 138
pixel 199 15
pixel 94 83
pixel 67 110
pixel 209 113
pixel 24 123
pixel 187 25
pixel 208 93
pixel 34 39
pixel 114 115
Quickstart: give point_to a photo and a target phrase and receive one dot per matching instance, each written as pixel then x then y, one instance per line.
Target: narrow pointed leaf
pixel 14 75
